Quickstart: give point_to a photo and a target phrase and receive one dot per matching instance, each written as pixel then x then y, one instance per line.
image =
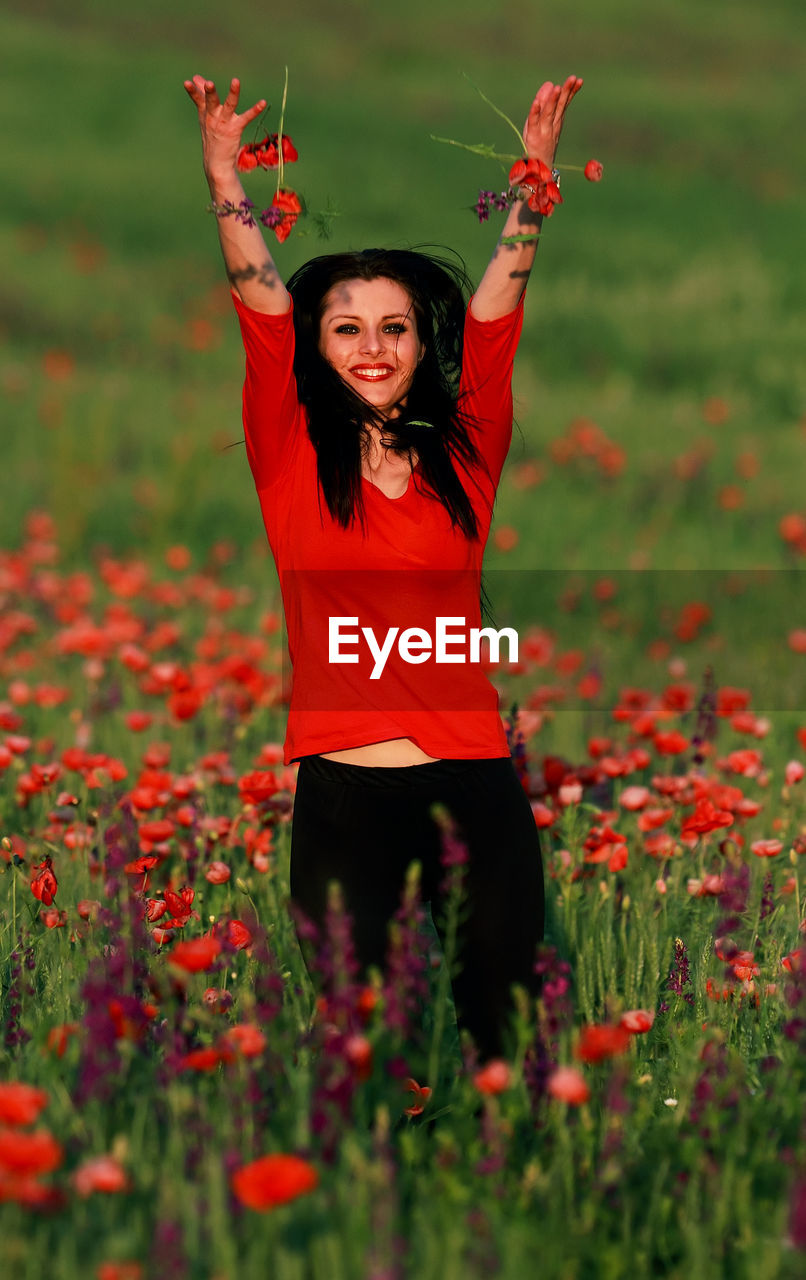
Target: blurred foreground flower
pixel 273 1180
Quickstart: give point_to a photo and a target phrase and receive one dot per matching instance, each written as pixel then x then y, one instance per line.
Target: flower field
pixel 175 1098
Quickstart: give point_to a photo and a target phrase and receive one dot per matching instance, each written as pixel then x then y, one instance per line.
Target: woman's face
pixel 368 333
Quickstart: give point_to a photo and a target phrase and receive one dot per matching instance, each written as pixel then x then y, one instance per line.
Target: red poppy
pixel 599 1042
pixel 195 954
pixel 767 848
pixel 593 171
pixel 119 1271
pixel 567 1084
pixel 20 1103
pixel 53 918
pixel 536 178
pixel 266 153
pixel 493 1078
pixel 670 743
pixel 217 873
pixel 421 1095
pixel 58 1037
pixel 28 1153
pixel 358 1052
pixel 179 904
pixel 288 203
pixel 100 1173
pixel 246 1039
pixel 238 934
pixel 273 1180
pixel 258 786
pixel 637 1021
pixel 706 817
pixel 205 1059
pixel 45 885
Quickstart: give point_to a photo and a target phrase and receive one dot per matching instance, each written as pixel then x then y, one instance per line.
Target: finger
pixel 195 88
pixel 572 86
pixel 231 100
pixel 252 113
pixel 211 94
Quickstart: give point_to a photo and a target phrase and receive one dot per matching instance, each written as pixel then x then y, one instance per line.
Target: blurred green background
pixel 666 308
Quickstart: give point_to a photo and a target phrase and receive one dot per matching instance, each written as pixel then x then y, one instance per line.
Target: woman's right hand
pixel 221 128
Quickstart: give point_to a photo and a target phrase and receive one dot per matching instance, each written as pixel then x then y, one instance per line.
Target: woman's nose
pixel 372 342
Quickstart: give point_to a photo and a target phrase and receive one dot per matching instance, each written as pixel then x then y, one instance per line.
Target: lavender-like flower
pixel 679 975
pixel 482 206
pixel 14 1034
pixel 406 985
pixel 271 217
pixel 706 724
pixel 555 1011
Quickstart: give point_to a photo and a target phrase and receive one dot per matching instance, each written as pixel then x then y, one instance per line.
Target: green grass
pixel 678 278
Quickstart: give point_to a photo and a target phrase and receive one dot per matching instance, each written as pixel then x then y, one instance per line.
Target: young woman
pixel 377 416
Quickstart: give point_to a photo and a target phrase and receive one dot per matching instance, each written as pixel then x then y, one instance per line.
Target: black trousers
pixel 363 826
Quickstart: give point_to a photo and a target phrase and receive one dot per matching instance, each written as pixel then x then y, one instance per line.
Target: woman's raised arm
pixel 508 271
pixel 249 265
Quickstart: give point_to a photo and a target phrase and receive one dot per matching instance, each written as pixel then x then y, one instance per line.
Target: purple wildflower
pixel 706 725
pixel 482 206
pixel 679 975
pixel 797 1214
pixel 555 1011
pixel 271 217
pixel 15 1034
pixel 406 984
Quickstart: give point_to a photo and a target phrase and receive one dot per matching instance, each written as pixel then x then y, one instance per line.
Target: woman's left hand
pixel 544 123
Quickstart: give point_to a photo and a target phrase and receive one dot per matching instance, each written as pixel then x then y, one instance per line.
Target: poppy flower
pixel 493 1078
pixel 599 1042
pixel 421 1095
pixel 44 885
pixel 28 1153
pixel 536 178
pixel 205 1059
pixel 593 171
pixel 358 1052
pixel 289 206
pixel 100 1173
pixel 246 1039
pixel 217 873
pixel 258 786
pixel 767 848
pixel 273 1180
pixel 637 1021
pixel 567 1084
pixel 119 1271
pixel 706 817
pixel 266 153
pixel 20 1103
pixel 238 934
pixel 195 954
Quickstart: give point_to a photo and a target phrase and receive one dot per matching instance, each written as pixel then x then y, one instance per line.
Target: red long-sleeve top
pixel 406 568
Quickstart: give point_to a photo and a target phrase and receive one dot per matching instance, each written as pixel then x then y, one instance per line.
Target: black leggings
pixel 363 826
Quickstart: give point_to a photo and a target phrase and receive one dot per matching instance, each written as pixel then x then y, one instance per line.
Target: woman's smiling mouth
pixel 372 372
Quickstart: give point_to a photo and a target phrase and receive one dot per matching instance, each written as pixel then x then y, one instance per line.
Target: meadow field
pixel 173 1099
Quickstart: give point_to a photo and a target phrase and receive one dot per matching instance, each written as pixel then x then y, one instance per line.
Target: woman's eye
pixel 395 328
pixel 346 328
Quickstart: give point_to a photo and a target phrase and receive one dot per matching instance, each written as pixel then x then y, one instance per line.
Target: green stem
pixel 280 136
pixel 498 112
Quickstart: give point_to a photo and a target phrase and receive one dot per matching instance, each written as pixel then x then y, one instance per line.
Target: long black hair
pixel 429 423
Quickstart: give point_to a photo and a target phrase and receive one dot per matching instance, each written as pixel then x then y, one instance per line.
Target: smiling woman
pixel 378 415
